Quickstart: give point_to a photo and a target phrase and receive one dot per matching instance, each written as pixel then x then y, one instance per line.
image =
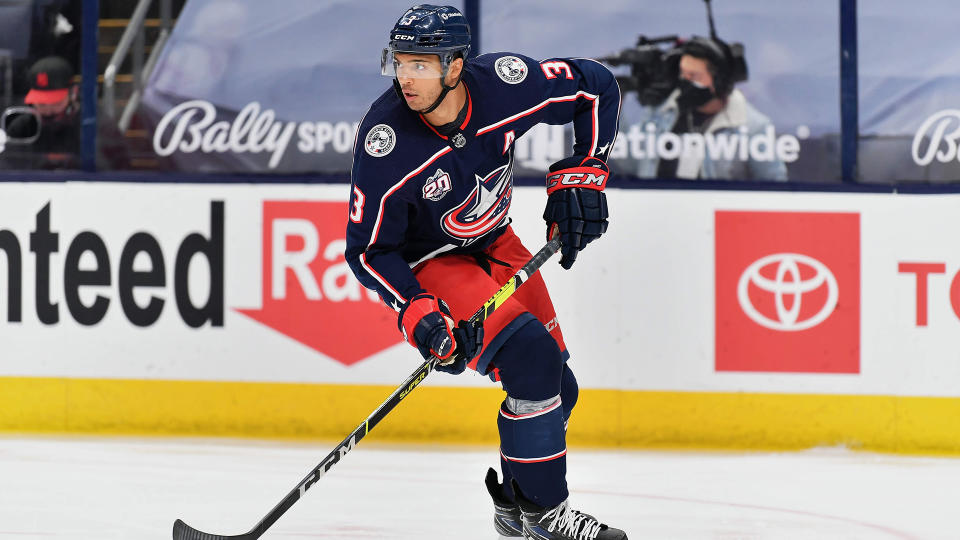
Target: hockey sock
pixel 531 419
pixel 533 443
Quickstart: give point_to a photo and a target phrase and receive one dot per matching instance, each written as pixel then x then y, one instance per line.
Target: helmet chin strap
pixel 443 93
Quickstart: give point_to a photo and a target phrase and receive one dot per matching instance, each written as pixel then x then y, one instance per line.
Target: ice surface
pixel 133 489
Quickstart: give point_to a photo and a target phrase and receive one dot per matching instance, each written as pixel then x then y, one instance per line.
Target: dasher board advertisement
pixel 688 291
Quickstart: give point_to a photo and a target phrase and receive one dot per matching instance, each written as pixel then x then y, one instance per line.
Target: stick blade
pixel 182 531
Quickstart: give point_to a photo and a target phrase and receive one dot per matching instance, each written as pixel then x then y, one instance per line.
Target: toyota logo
pixel 787 282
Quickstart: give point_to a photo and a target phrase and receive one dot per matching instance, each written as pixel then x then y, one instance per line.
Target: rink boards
pixel 702 318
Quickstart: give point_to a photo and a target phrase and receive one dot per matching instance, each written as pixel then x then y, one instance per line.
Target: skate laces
pixel 573 523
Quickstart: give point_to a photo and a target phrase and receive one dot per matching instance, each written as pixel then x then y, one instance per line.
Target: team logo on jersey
pixel 437 186
pixel 511 69
pixel 484 209
pixel 380 140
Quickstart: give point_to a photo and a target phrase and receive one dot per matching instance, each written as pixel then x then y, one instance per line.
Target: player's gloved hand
pixel 426 324
pixel 576 203
pixel 469 343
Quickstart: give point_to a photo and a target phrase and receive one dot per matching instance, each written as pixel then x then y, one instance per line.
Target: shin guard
pixel 533 447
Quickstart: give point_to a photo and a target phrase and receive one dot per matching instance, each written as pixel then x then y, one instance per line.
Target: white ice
pixel 133 489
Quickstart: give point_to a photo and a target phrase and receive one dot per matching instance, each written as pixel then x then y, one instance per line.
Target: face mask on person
pixel 693 95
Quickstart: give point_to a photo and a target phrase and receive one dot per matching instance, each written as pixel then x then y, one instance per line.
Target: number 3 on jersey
pixel 356 211
pixel 555 67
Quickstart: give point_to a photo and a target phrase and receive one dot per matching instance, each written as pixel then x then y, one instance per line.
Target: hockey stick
pixel 182 531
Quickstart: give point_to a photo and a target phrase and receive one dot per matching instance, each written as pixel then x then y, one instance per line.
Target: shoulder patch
pixel 380 140
pixel 510 69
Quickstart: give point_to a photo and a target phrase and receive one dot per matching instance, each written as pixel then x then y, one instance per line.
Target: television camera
pixel 654 62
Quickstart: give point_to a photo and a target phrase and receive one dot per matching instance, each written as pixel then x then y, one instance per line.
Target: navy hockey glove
pixel 576 203
pixel 469 343
pixel 426 324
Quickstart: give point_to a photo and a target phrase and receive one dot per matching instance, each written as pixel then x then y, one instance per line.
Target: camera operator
pixel 44 132
pixel 706 102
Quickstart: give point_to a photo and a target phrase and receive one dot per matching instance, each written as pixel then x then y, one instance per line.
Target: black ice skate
pixel 506 515
pixel 561 522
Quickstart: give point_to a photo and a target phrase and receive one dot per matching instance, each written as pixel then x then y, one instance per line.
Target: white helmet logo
pixel 788 264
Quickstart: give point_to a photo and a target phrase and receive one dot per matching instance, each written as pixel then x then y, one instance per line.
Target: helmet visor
pixel 413 66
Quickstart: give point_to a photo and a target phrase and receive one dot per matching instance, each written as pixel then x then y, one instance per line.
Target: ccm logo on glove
pixel 581 177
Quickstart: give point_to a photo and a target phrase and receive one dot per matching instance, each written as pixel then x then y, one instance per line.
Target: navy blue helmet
pixel 428 29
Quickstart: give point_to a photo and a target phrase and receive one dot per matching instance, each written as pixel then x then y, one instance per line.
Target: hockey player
pixel 428 230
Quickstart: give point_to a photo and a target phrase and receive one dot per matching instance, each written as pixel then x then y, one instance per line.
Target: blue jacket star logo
pixel 485 208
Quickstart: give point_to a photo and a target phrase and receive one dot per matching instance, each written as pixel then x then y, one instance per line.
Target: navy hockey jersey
pixel 416 194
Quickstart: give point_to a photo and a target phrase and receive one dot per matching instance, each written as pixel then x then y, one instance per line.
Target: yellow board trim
pixel 603 418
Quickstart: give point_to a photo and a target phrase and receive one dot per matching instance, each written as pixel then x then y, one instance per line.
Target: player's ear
pixel 453 73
